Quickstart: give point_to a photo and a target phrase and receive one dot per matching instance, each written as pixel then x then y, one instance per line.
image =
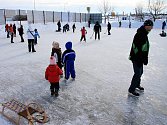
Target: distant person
pixel 52 74
pixel 59 26
pixel 73 27
pixel 30 36
pixel 120 23
pixel 21 32
pixel 14 30
pixel 97 30
pixel 11 32
pixel 89 22
pixel 68 59
pixel 163 34
pixel 83 34
pixel 109 28
pixel 129 24
pixel 163 26
pixel 57 53
pixel 67 27
pixel 36 36
pixel 7 30
pixel 139 55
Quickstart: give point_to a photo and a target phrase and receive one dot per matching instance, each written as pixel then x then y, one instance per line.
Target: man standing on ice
pixel 139 55
pixel 97 30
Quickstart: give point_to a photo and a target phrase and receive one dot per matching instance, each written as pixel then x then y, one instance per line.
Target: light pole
pixel 34 4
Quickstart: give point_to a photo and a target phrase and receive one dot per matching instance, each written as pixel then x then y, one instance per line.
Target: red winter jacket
pixel 83 31
pixel 52 73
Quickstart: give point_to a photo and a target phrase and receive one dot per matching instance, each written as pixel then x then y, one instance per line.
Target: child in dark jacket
pixel 68 59
pixel 52 74
pixel 57 53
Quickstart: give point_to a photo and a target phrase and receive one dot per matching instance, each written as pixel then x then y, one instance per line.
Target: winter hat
pixel 68 45
pixel 148 23
pixel 52 60
pixel 55 45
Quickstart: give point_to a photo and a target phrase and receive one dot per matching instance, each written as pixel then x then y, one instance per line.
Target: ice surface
pixel 99 95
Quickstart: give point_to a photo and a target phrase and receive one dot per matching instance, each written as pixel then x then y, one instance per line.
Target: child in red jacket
pixel 52 74
pixel 83 34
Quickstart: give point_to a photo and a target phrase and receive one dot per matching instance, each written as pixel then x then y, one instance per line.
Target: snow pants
pixel 69 69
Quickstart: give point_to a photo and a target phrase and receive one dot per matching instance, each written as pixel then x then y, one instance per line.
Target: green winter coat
pixel 140 47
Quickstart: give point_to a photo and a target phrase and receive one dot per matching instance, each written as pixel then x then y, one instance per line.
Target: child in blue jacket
pixel 68 59
pixel 36 34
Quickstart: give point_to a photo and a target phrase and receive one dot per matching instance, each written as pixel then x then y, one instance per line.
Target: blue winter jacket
pixel 69 53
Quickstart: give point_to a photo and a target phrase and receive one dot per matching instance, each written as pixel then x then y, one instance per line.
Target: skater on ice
pixel 83 34
pixel 109 28
pixel 52 74
pixel 139 56
pixel 11 32
pixel 21 32
pixel 97 30
pixel 57 53
pixel 73 27
pixel 36 36
pixel 30 36
pixel 68 59
pixel 7 30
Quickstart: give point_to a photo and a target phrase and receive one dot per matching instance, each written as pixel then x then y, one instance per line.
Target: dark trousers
pixel 138 71
pixel 8 34
pixel 109 32
pixel 97 33
pixel 31 45
pixel 83 37
pixel 73 30
pixel 21 36
pixel 14 33
pixel 54 87
pixel 11 37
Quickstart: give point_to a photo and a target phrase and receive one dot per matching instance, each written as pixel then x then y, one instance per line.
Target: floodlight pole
pixel 34 4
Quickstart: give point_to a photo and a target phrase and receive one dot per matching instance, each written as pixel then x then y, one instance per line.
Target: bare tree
pixel 139 12
pixel 105 9
pixel 155 7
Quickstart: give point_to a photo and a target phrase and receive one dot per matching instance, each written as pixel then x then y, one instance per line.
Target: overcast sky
pixel 71 5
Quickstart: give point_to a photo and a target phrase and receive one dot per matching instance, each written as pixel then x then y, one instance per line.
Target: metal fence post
pixel 44 17
pixel 53 17
pixel 32 16
pixel 5 16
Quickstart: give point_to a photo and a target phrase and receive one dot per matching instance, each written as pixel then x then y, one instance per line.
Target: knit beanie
pixel 55 45
pixel 52 60
pixel 148 23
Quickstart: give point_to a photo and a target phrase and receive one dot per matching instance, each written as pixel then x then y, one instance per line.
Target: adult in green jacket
pixel 139 55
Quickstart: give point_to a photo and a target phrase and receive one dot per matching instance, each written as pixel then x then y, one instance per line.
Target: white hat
pixel 52 60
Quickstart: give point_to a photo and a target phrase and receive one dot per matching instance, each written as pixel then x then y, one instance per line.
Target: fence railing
pixel 34 16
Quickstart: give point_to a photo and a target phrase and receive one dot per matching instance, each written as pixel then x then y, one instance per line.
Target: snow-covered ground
pixel 99 95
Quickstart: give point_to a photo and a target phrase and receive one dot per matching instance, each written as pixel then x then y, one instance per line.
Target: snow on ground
pixel 99 95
